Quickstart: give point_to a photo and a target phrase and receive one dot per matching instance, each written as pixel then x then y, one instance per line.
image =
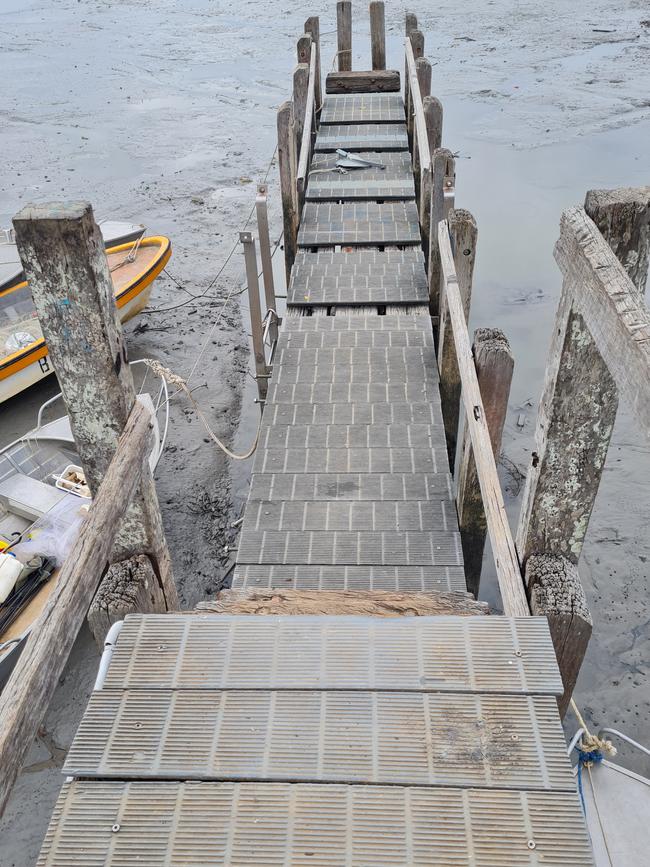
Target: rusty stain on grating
pixel 293 825
pixel 491 654
pixel 409 738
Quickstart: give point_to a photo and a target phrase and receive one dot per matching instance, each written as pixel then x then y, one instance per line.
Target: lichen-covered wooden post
pixel 344 35
pixel 312 27
pixel 494 364
pixel 463 234
pixel 62 253
pixel 623 217
pixel 377 34
pixel 287 167
pixel 439 161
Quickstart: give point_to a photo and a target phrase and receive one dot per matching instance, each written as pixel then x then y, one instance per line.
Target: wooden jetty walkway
pixel 347 702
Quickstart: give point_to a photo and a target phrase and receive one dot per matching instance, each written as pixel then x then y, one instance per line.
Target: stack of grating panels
pixel 213 737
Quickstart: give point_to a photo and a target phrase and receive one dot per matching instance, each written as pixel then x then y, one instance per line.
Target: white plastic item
pixel 10 569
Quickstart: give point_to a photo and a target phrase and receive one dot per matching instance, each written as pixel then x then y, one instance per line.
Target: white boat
pixel 43 502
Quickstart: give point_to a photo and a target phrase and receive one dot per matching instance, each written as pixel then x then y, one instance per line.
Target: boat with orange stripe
pixel 23 354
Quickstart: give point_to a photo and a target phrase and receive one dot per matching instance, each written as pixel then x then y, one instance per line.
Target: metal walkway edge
pixel 334 740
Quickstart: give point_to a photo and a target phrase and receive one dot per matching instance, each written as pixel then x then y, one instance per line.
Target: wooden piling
pixel 433 118
pixel 266 256
pixel 287 165
pixel 344 35
pixel 623 217
pixel 494 364
pixel 417 43
pixel 439 161
pixel 411 24
pixel 463 234
pixel 378 34
pixel 252 281
pixel 63 257
pixel 303 48
pixel 556 593
pixel 423 70
pixel 300 91
pixel 312 27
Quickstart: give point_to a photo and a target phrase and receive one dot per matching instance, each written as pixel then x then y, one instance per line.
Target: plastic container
pixel 10 569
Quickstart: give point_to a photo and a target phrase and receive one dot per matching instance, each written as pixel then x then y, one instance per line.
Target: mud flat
pixel 165 113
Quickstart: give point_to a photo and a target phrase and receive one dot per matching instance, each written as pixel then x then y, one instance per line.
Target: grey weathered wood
pixel 423 72
pixel 411 24
pixel 127 586
pixel 371 81
pixel 463 234
pixel 600 347
pixel 416 40
pixel 623 217
pixel 308 133
pixel 254 306
pixel 439 161
pixel 303 48
pixel 27 694
pixel 62 253
pixel 377 34
pixel 423 69
pixel 300 91
pixel 433 119
pixel 344 35
pixel 312 27
pixel 375 603
pixel 557 594
pixel 503 548
pixel 287 169
pixel 266 256
pixel 494 365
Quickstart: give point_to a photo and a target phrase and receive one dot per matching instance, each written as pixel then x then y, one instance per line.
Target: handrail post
pixel 344 35
pixel 287 167
pixel 439 160
pixel 410 24
pixel 252 282
pixel 267 259
pixel 312 27
pixel 377 34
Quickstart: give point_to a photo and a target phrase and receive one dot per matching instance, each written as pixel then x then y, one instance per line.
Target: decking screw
pixel 162 647
pixel 138 725
pixel 115 828
pixel 514 737
pixel 532 844
pixel 518 653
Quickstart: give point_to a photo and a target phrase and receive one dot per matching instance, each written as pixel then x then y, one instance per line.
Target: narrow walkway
pixel 335 740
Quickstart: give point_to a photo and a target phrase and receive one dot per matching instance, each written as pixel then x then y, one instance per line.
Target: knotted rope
pixel 591 751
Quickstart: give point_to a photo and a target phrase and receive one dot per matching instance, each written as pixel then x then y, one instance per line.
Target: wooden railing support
pixel 303 48
pixel 377 34
pixel 433 117
pixel 556 593
pixel 287 166
pixel 463 234
pixel 308 133
pixel 423 70
pixel 411 24
pixel 312 27
pixel 344 35
pixel 494 364
pixel 29 690
pixel 300 90
pixel 440 159
pixel 261 368
pixel 63 257
pixel 416 38
pixel 266 255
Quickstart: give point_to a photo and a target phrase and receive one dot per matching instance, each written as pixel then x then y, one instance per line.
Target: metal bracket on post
pixel 267 263
pixel 262 370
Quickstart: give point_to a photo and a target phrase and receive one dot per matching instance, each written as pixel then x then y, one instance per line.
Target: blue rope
pixel 586 757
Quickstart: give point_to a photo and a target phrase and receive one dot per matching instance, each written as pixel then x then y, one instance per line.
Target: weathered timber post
pixel 287 165
pixel 344 35
pixel 463 235
pixel 63 257
pixel 267 258
pixel 623 217
pixel 377 34
pixel 423 70
pixel 303 48
pixel 439 161
pixel 556 593
pixel 252 281
pixel 417 43
pixel 300 90
pixel 312 27
pixel 494 364
pixel 433 118
pixel 411 24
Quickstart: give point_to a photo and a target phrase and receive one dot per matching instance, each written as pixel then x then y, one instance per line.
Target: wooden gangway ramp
pixel 335 739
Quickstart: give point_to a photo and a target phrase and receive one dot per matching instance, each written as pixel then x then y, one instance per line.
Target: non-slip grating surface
pixel 362 137
pixel 358 223
pixel 326 487
pixel 402 578
pixel 410 738
pixel 282 825
pixel 394 180
pixel 332 436
pixel 363 108
pixel 455 654
pixel 359 277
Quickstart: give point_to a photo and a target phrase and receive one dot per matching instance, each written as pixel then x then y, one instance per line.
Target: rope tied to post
pixel 174 379
pixel 591 751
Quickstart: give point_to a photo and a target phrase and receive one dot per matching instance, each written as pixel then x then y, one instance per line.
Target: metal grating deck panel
pixel 359 277
pixel 351 460
pixel 350 486
pixel 362 137
pixel 393 323
pixel 405 516
pixel 429 413
pixel 410 738
pixel 357 223
pixel 393 181
pixel 402 578
pixel 98 823
pixel 356 365
pixel 454 654
pixel 363 108
pixel 398 391
pixel 345 436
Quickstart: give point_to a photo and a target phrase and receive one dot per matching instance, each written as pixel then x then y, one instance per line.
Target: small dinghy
pixel 43 501
pixel 134 266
